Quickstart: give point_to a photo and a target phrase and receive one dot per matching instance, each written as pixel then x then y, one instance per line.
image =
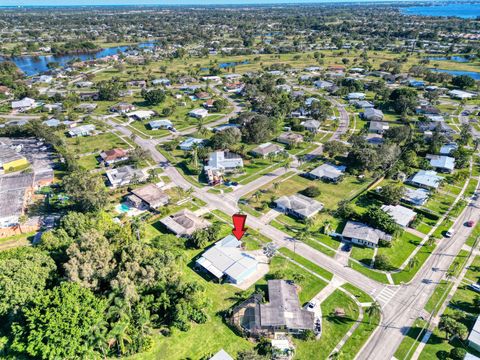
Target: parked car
pixel 311 305
pixel 470 223
pixel 475 287
pixel 450 233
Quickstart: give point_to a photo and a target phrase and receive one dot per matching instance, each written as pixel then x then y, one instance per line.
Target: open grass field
pixel 334 327
pixel 96 144
pixel 409 343
pixel 401 248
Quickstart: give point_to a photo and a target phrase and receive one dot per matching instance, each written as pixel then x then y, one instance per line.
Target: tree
pixel 153 97
pixel 108 90
pixel 374 310
pixel 379 219
pixel 413 262
pixel 59 324
pixel 311 191
pixel 463 81
pixel 90 260
pixel 257 128
pixel 200 238
pixel 24 273
pixel 220 104
pixel 225 139
pixel 345 210
pixel 382 262
pixel 458 353
pixel 392 193
pixel 452 327
pixel 334 148
pixel 404 100
pixel 465 134
pixel 86 190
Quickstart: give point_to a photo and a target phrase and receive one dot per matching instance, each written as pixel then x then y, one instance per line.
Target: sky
pixel 162 2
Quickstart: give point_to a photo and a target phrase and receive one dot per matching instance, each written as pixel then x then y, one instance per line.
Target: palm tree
pixel 374 310
pixel 22 219
pixel 257 195
pixel 413 262
pixel 138 227
pixel 430 241
pixel 276 185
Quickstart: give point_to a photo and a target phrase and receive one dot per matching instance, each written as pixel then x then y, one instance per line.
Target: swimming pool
pixel 123 208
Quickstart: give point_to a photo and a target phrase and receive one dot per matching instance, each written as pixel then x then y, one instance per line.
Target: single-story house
pixel 114 155
pixel 227 260
pixel 309 101
pixel 148 196
pixel 460 94
pixel 188 143
pixel 447 149
pixel 124 175
pixel 53 107
pixel 24 104
pixel 427 179
pixel 209 104
pixel 328 172
pixel 90 95
pixel 84 84
pixel 434 118
pixel 356 96
pixel 311 125
pixel 202 95
pixel 266 149
pixel 299 206
pixel 220 163
pixel 52 122
pixel 322 84
pixel 83 130
pixel 14 191
pixel 89 107
pixel 474 337
pixel 198 113
pixel 402 215
pixel 312 68
pixel 184 223
pixel 290 138
pixel 416 197
pixel 122 108
pixel 221 355
pixel 141 114
pixel 226 126
pixel 372 114
pixel 362 234
pixel 160 124
pixel 416 83
pixel 282 312
pixel 442 163
pixel 378 127
pixel 363 104
pixel 163 81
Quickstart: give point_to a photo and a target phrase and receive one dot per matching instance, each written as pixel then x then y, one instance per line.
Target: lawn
pixel 438 297
pixel 401 248
pixel 473 272
pixel 375 275
pixel 409 342
pixel 333 327
pixel 308 264
pixel 408 273
pixel 96 143
pixel 362 254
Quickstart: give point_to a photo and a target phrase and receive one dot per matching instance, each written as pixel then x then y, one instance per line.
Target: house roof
pixel 328 171
pixel 267 148
pixel 12 193
pixel 142 114
pixel 400 214
pixel 82 129
pixel 25 102
pixel 301 204
pixel 184 222
pixel 221 355
pixel 113 154
pixel 160 123
pixel 283 308
pixel 8 155
pixel 226 258
pixel 315 124
pixel 427 178
pixel 370 113
pixel 378 125
pixel 123 173
pixel 361 231
pixel 442 161
pixel 224 160
pixel 188 143
pixel 151 194
pixel 416 196
pixel 474 336
pixel 290 137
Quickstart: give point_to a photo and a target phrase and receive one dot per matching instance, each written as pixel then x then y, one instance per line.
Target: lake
pixel 31 65
pixel 465 11
pixel 473 74
pixel 460 59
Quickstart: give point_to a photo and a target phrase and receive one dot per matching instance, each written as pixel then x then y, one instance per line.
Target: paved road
pixel 409 301
pixel 400 305
pixel 343 121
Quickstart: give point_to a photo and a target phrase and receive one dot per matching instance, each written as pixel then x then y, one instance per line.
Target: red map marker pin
pixel 239 225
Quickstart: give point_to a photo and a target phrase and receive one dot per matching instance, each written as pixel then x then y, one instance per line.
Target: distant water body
pixel 465 11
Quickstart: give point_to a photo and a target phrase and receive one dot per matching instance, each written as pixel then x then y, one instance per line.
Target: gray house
pixel 299 206
pixel 328 172
pixel 364 235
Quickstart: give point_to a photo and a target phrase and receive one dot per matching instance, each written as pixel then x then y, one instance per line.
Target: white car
pixel 450 233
